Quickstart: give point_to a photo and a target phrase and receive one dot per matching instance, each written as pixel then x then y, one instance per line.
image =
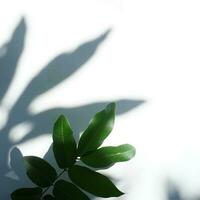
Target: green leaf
pixel 64 145
pixel 27 193
pixel 93 182
pixel 39 171
pixel 48 197
pixel 98 130
pixel 65 190
pixel 107 156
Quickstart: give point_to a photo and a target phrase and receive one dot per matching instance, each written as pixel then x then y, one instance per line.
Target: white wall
pixel 151 54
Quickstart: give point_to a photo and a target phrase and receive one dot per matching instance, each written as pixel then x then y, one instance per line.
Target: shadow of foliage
pixel 173 192
pixel 12 172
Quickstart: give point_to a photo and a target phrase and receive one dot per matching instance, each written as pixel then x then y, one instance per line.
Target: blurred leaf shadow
pixel 173 192
pixel 12 172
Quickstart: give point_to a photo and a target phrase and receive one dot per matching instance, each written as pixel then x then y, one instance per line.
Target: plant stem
pixel 53 182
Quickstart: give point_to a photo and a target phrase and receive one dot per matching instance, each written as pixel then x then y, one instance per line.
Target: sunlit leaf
pixel 98 130
pixel 64 145
pixel 107 156
pixel 93 182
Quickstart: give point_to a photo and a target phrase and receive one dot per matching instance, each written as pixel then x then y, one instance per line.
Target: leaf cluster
pixel 68 153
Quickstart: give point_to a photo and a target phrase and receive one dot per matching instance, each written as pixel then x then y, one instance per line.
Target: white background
pixel 151 54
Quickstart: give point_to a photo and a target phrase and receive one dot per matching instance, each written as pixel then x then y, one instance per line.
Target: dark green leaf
pixel 65 190
pixel 48 197
pixel 98 130
pixel 27 193
pixel 107 156
pixel 64 145
pixel 40 171
pixel 93 182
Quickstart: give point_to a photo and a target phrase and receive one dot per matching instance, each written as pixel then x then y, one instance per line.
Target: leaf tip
pixel 111 106
pixel 122 193
pixel 133 149
pixel 61 117
pixel 119 193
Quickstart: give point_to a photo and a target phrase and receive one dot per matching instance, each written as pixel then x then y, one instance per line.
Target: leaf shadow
pixel 12 172
pixel 174 192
